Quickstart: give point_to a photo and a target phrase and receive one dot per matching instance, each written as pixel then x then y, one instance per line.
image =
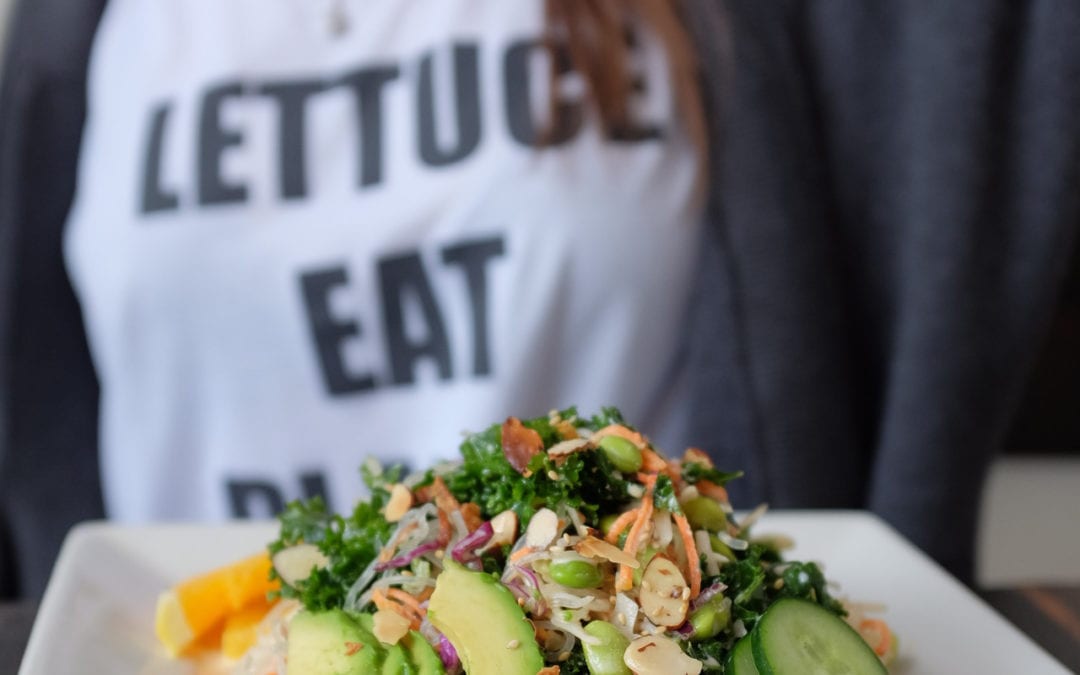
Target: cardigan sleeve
pixel 48 391
pixel 898 193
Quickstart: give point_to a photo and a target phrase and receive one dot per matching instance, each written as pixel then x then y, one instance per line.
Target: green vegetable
pixel 705 514
pixel 586 481
pixel 664 495
pixel 623 454
pixel 692 472
pixel 796 636
pixel 711 618
pixel 349 543
pixel 575 573
pixel 606 658
pixel 742 658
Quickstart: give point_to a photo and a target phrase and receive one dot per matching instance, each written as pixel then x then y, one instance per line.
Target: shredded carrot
pixel 425 594
pixel 884 634
pixel 625 580
pixel 652 462
pixel 708 488
pixel 381 601
pixel 411 605
pixel 620 524
pixel 693 563
pixel 521 553
pixel 397 605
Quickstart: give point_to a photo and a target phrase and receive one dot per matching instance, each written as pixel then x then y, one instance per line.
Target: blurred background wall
pixel 5 8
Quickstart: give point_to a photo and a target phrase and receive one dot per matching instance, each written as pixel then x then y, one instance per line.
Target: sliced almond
pixel 504 528
pixel 658 655
pixel 296 563
pixel 665 595
pixel 401 500
pixel 390 626
pixel 591 547
pixel 565 448
pixel 543 528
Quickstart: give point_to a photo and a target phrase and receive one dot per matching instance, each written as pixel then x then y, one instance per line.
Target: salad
pixel 562 544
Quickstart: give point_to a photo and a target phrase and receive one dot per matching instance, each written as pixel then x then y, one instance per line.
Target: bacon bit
pixel 520 553
pixel 550 670
pixel 520 444
pixel 470 512
pixel 707 488
pixel 353 647
pixel 876 628
pixel 446 528
pixel 620 524
pixel 624 580
pixel 444 499
pixel 693 562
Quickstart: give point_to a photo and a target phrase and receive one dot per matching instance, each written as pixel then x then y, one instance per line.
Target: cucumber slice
pixel 796 637
pixel 742 659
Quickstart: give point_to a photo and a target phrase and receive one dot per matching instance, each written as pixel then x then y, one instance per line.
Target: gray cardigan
pixel 895 189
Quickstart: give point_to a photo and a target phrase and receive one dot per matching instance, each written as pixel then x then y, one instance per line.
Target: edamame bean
pixel 704 513
pixel 711 618
pixel 607 521
pixel 606 657
pixel 575 573
pixel 622 454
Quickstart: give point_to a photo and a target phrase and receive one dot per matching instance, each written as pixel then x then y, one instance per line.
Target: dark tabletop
pixel 1049 614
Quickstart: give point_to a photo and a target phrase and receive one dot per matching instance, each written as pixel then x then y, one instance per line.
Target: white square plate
pixel 98 612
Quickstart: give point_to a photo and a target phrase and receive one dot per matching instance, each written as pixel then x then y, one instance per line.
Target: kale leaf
pixel 583 480
pixel 692 472
pixel 664 495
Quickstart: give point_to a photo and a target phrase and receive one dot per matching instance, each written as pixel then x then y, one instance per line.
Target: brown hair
pixel 595 35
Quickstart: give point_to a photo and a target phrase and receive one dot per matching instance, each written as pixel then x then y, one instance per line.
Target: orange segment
pixel 241 629
pixel 197 605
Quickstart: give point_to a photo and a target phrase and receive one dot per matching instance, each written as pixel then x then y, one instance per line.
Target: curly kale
pixel 583 480
pixel 350 543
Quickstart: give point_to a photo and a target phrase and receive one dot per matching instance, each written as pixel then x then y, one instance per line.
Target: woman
pixel 303 233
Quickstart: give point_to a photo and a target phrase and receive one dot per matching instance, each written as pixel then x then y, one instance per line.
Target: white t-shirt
pixel 301 238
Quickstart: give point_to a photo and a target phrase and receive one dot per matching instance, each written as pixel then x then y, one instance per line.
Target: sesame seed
pixel 513 644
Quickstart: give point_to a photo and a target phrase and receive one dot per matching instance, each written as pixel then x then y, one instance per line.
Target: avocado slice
pixel 331 643
pixel 483 621
pixel 422 655
pixel 397 662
